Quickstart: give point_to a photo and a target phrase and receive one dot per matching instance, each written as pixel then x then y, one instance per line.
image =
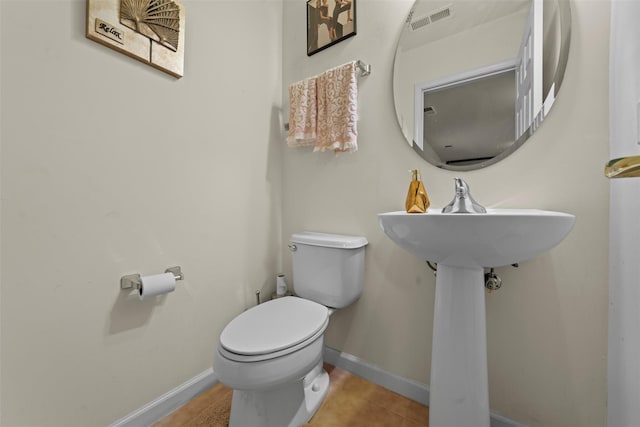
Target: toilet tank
pixel 328 268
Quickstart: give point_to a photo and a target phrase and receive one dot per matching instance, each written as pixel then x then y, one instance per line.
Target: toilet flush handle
pixel 292 247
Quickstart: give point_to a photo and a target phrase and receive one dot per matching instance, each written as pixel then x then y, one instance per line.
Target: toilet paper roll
pixel 157 284
pixel 281 285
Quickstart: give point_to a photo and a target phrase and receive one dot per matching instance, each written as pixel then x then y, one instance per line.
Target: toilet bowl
pixel 275 364
pixel 271 354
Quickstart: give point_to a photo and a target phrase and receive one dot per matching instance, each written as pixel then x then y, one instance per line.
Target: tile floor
pixel 351 402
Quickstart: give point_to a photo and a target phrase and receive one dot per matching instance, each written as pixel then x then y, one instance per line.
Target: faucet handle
pixel 462 188
pixel 462 201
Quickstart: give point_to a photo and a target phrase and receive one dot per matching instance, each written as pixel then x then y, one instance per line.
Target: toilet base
pixel 288 405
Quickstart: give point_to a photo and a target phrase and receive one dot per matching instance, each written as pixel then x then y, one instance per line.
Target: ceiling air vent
pixel 419 22
pixel 441 14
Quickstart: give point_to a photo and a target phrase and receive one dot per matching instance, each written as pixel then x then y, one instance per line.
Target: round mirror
pixel 474 79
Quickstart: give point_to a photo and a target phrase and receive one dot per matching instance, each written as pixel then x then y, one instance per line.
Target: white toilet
pixel 271 355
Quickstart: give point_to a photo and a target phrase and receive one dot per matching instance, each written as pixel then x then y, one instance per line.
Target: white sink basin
pixel 463 245
pixel 499 237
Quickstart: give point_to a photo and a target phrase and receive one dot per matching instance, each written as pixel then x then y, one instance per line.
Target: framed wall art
pixel 151 31
pixel 329 22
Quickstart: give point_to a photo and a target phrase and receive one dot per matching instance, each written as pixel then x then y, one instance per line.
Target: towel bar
pixel 365 69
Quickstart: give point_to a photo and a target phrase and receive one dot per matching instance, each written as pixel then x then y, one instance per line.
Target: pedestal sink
pixel 463 245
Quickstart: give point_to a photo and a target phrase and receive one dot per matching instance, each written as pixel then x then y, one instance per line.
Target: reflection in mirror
pixel 478 109
pixel 474 79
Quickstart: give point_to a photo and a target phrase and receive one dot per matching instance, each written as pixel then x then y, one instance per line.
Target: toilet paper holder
pixel 133 281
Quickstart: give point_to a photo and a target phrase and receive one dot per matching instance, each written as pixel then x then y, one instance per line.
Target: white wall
pixel 110 167
pixel 547 333
pixel 624 293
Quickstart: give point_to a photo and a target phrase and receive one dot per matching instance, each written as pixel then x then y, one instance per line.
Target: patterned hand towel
pixel 338 109
pixel 303 113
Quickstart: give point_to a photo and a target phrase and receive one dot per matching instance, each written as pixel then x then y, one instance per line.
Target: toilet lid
pixel 275 325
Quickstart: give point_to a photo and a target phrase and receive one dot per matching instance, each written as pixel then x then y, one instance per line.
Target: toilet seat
pixel 273 329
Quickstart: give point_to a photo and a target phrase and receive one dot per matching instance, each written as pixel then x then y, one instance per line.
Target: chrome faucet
pixel 462 201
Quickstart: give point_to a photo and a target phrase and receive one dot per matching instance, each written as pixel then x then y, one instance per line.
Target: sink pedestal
pixel 461 245
pixel 459 389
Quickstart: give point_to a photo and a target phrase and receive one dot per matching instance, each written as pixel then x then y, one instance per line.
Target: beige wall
pixel 110 167
pixel 547 326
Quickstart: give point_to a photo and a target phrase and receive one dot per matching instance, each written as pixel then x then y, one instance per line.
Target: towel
pixel 337 109
pixel 303 113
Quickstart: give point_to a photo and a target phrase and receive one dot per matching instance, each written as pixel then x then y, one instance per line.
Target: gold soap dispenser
pixel 417 199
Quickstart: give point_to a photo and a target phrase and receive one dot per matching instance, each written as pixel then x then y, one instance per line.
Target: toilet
pixel 271 354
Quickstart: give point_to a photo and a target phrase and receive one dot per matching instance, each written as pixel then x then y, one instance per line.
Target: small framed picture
pixel 329 22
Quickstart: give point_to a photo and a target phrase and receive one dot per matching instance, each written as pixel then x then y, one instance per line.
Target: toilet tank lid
pixel 329 240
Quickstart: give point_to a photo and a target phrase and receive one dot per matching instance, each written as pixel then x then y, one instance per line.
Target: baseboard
pixel 173 399
pixel 403 386
pixel 168 402
pixel 413 390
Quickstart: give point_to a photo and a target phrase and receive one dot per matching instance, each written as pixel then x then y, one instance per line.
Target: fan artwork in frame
pixel 151 31
pixel 329 22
